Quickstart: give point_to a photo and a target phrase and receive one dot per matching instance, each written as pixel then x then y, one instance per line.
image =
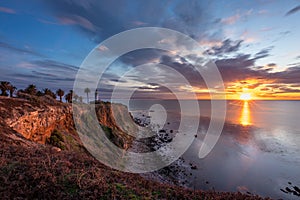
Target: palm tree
pixel 11 89
pixel 87 91
pixel 75 97
pixel 31 89
pixel 60 93
pixel 48 92
pixel 20 93
pixel 80 99
pixel 4 86
pixel 39 93
pixel 69 96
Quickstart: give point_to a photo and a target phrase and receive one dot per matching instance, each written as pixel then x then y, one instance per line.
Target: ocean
pixel 258 151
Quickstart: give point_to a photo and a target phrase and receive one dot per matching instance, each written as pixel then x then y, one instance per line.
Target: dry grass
pixel 40 172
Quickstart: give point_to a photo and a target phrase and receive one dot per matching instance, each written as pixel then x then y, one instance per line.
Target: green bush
pixel 56 139
pixel 108 131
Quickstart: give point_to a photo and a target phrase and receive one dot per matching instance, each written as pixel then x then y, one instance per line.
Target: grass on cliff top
pixel 40 172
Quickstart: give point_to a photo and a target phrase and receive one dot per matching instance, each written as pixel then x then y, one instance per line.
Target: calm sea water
pixel 258 151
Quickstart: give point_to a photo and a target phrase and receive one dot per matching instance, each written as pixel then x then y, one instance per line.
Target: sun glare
pixel 245 96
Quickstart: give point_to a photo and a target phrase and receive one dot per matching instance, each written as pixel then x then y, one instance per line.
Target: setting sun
pixel 245 96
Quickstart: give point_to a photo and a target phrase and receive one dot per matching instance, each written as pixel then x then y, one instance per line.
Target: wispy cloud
pixel 10 47
pixel 45 73
pixel 248 37
pixel 231 20
pixel 263 53
pixel 292 11
pixel 266 29
pixel 48 22
pixel 77 20
pixel 263 12
pixel 139 23
pixel 7 10
pixel 227 46
pixel 235 18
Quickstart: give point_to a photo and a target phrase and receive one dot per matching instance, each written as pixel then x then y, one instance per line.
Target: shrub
pixel 56 139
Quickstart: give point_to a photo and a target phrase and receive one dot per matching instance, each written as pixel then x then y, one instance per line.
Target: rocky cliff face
pixel 37 117
pixel 35 120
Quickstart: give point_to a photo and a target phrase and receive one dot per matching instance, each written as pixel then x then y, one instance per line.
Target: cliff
pixel 35 121
pixel 36 118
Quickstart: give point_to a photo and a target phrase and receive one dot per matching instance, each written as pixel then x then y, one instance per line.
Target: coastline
pixel 239 144
pixel 34 170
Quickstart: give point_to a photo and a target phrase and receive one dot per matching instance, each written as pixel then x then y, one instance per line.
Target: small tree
pixel 4 86
pixel 20 93
pixel 39 93
pixel 75 97
pixel 60 93
pixel 87 91
pixel 69 96
pixel 48 92
pixel 11 89
pixel 80 99
pixel 31 89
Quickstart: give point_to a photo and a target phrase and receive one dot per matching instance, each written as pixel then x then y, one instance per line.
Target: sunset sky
pixel 255 44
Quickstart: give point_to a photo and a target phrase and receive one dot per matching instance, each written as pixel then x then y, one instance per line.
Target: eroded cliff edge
pixel 36 118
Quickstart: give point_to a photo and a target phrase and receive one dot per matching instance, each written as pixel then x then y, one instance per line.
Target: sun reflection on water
pixel 245 118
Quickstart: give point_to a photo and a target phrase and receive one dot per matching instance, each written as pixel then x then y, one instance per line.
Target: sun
pixel 245 96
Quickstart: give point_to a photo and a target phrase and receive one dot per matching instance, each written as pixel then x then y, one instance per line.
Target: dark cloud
pixel 102 19
pixel 293 10
pixel 294 64
pixel 185 68
pixel 242 68
pixel 286 90
pixel 289 76
pixel 238 68
pixel 139 57
pixel 228 46
pixel 263 53
pixel 265 89
pixel 117 80
pixel 191 17
pixel 295 85
pixel 272 65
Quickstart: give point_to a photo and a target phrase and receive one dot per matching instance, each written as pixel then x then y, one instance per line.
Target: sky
pixel 254 44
